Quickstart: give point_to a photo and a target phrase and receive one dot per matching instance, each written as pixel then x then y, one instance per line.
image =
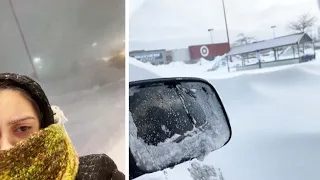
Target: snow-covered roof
pixel 267 44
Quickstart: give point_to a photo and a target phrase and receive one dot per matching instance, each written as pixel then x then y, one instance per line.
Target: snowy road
pixel 96 120
pixel 274 114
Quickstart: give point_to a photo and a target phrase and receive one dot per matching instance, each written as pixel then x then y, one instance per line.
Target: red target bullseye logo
pixel 204 51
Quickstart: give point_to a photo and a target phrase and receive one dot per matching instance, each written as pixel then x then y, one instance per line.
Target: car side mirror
pixel 173 120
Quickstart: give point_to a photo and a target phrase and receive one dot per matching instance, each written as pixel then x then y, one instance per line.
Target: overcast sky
pixel 179 23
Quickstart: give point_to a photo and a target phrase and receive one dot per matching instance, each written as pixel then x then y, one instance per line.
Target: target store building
pixel 208 51
pixel 192 54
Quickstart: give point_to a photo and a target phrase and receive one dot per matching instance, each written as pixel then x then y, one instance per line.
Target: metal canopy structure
pixel 258 54
pixel 293 39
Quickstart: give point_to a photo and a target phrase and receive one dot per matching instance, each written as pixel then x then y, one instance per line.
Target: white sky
pixel 179 23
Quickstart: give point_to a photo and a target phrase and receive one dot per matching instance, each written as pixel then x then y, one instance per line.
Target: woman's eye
pixel 23 129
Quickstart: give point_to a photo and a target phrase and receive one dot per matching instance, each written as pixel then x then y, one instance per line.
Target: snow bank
pixel 139 70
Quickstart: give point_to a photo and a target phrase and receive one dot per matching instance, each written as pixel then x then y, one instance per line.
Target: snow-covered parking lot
pixel 274 114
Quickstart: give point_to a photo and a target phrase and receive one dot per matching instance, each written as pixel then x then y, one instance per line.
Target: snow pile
pixel 203 65
pixel 139 70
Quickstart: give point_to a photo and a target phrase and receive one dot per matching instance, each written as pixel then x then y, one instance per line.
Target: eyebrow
pixel 21 119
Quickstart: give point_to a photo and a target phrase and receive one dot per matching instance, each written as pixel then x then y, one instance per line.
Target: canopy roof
pixel 272 43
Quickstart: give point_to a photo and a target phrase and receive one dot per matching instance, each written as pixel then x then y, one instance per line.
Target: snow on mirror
pixel 172 121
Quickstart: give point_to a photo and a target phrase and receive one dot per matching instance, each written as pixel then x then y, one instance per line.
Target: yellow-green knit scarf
pixel 47 154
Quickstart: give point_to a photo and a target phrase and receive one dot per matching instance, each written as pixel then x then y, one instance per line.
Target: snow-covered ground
pixel 274 114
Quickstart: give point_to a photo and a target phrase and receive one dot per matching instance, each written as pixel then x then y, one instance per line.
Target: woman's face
pixel 18 118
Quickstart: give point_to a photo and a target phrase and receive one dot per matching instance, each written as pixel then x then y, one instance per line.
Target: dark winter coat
pixel 98 167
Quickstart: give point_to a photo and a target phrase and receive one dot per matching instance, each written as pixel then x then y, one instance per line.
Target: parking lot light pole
pixel 227 30
pixel 226 23
pixel 24 41
pixel 274 34
pixel 210 31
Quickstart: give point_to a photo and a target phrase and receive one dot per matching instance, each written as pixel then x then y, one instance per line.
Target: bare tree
pixel 242 40
pixel 304 22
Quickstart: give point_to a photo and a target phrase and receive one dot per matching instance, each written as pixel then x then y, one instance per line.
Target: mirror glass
pixel 171 122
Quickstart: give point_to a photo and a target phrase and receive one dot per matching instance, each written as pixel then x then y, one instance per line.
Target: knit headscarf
pixel 46 154
pixel 34 91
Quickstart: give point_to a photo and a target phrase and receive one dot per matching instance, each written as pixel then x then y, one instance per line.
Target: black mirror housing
pixel 173 120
